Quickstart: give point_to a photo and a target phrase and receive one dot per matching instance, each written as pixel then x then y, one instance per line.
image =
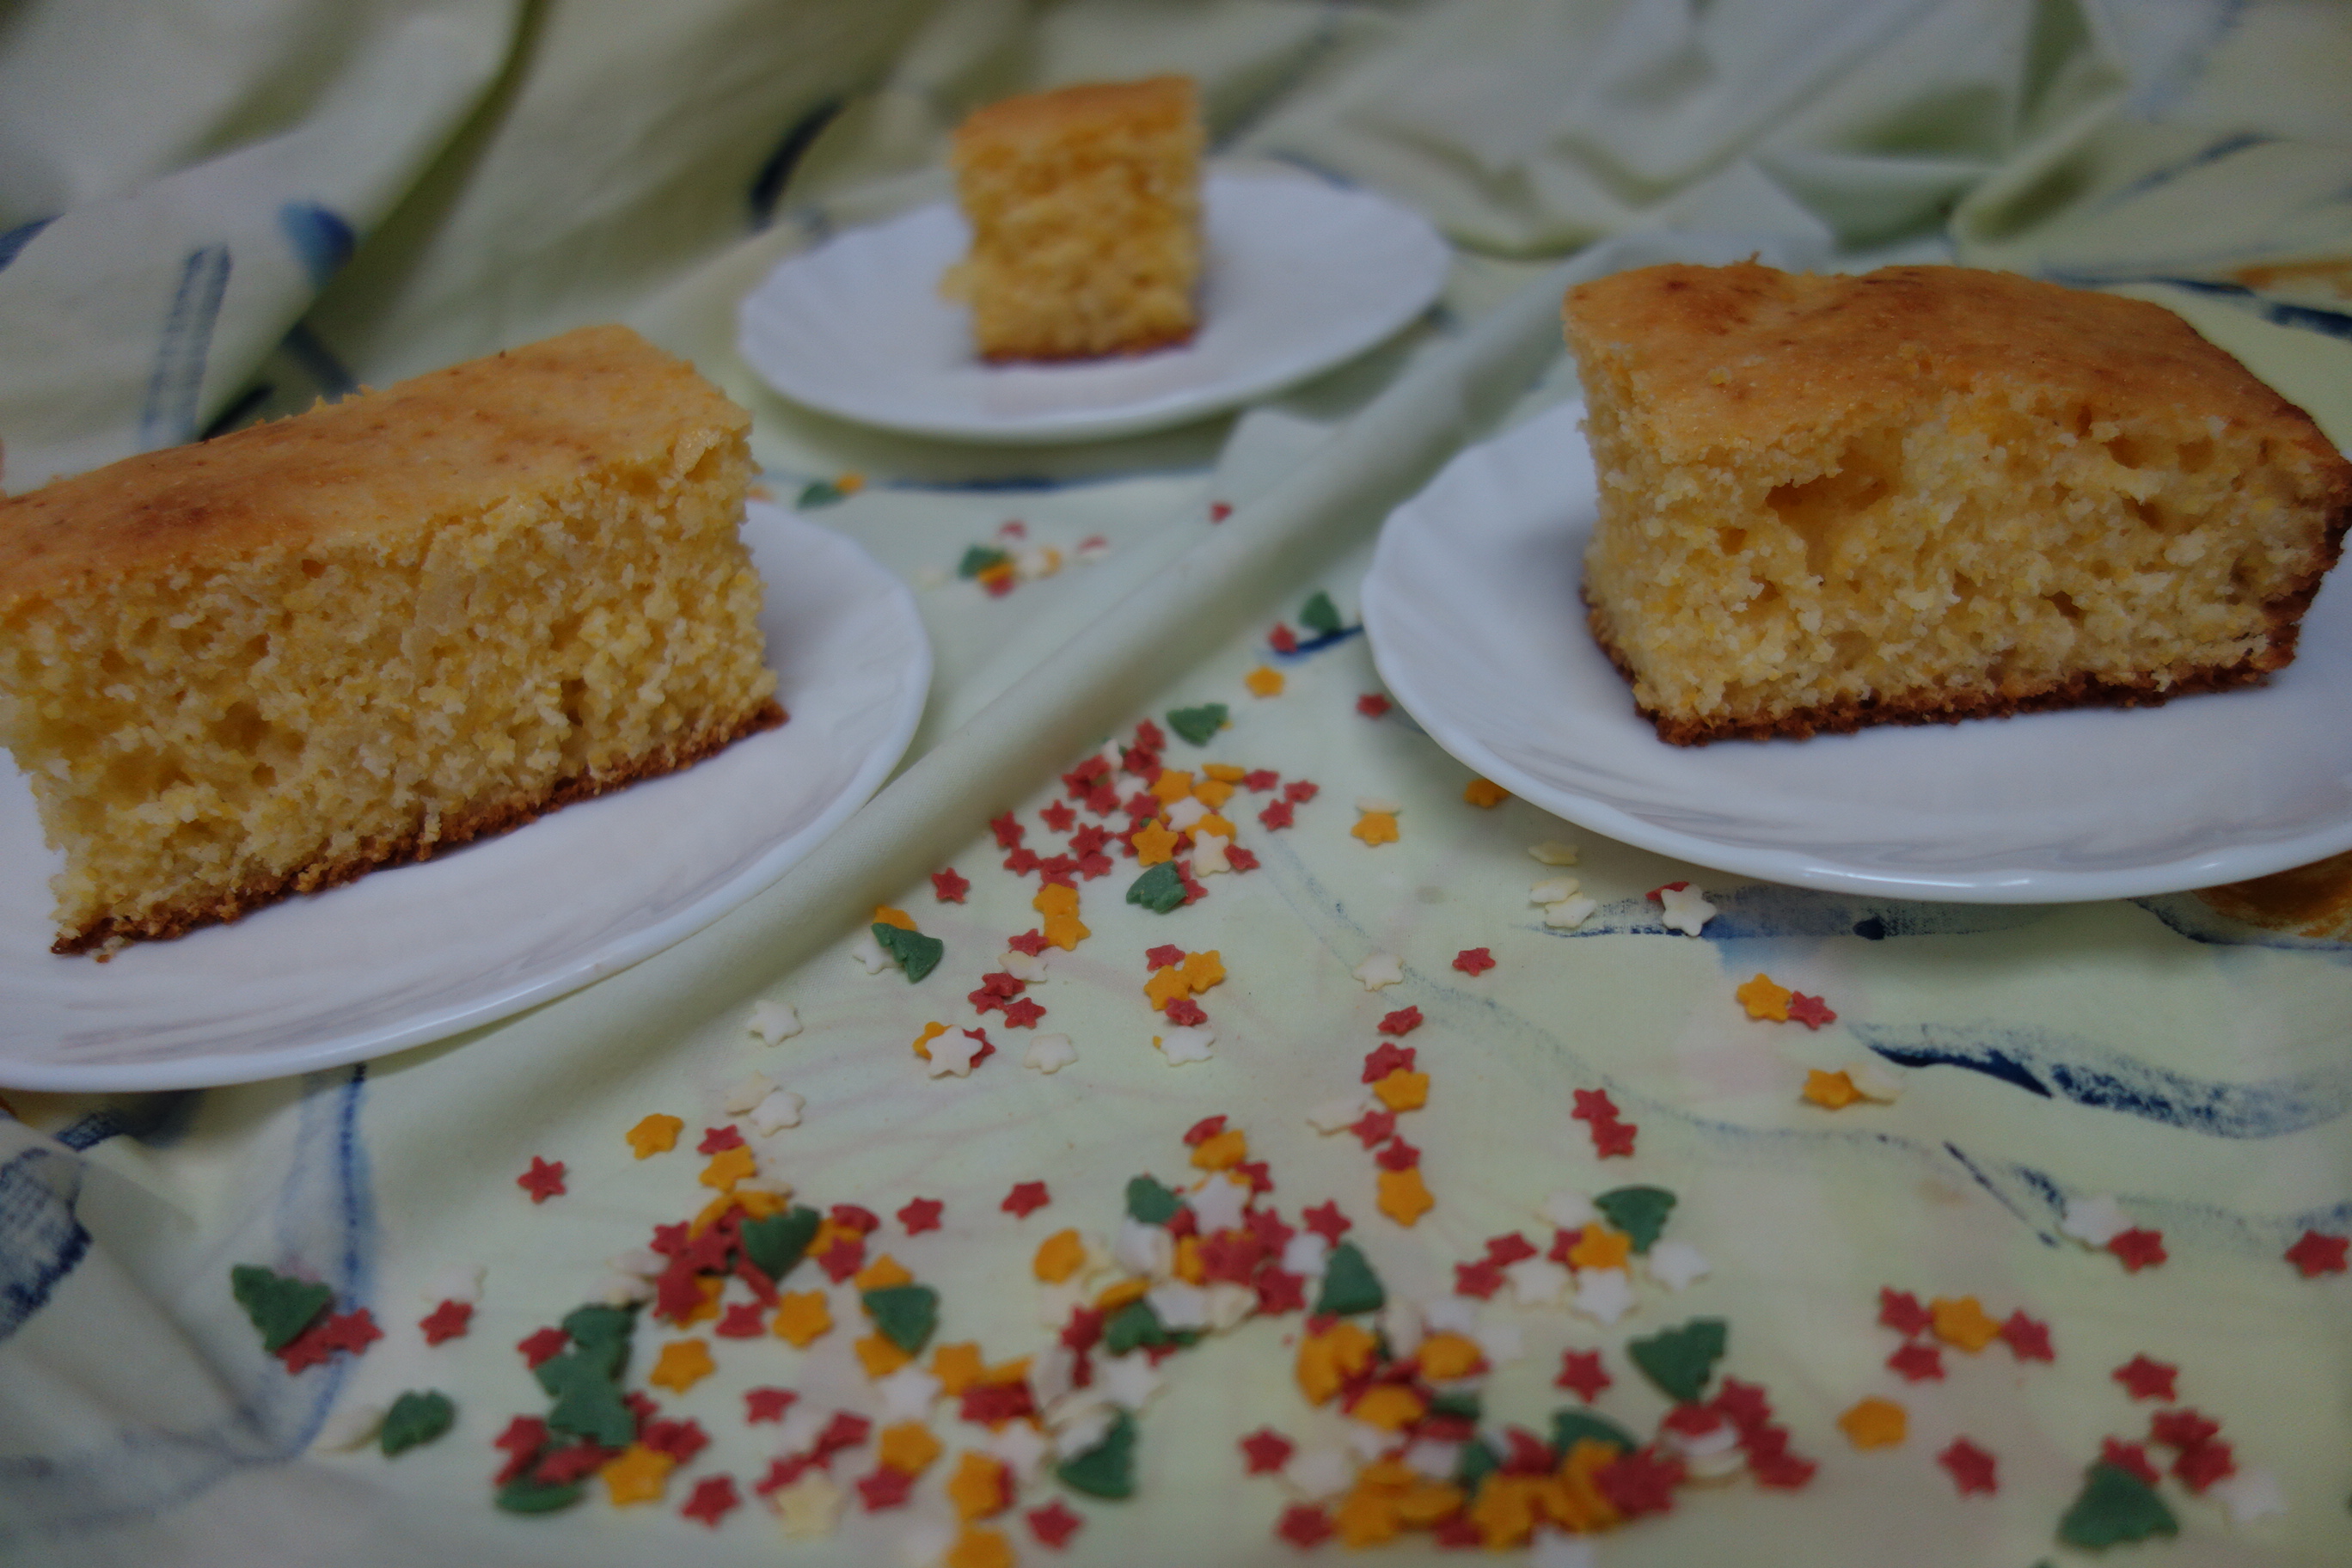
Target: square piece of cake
pixel 271 662
pixel 1085 208
pixel 1932 493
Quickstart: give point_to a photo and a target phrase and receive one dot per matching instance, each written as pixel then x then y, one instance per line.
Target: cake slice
pixel 1085 208
pixel 1930 493
pixel 274 661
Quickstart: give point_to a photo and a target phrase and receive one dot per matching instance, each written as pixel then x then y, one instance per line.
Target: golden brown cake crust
pixel 486 822
pixel 1058 113
pixel 1746 355
pixel 439 443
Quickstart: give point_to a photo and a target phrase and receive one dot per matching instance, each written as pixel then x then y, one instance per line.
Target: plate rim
pixel 215 1068
pixel 2028 885
pixel 1168 410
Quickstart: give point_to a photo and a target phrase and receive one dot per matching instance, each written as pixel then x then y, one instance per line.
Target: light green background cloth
pixel 249 204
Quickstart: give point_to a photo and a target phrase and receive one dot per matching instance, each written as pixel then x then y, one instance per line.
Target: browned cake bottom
pixel 1952 706
pixel 2314 901
pixel 1124 351
pixel 111 931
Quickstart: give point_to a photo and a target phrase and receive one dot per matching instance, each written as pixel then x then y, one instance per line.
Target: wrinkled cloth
pixel 281 202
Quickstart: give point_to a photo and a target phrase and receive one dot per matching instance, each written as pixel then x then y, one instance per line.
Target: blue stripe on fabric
pixel 2058 1066
pixel 177 381
pixel 17 238
pixel 320 236
pixel 41 1241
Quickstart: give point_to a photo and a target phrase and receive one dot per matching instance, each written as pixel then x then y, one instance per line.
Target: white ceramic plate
pixel 1476 625
pixel 418 952
pixel 1299 277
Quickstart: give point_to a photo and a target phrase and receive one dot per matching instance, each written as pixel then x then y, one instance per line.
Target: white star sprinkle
pixel 773 1023
pixel 952 1053
pixel 1553 853
pixel 1128 1379
pixel 1603 1294
pixel 1686 910
pixel 2093 1221
pixel 1381 969
pixel 1188 1044
pixel 1552 890
pixel 745 1093
pixel 868 954
pixel 1320 1472
pixel 1676 1264
pixel 810 1506
pixel 1049 1053
pixel 1570 1209
pixel 1569 914
pixel 1209 854
pixel 1336 1115
pixel 1536 1281
pixel 778 1110
pixel 908 1393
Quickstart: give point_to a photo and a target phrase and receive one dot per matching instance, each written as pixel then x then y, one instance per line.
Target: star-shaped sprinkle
pixel 1612 1140
pixel 949 887
pixel 2093 1221
pixel 1381 969
pixel 1304 1524
pixel 1581 1372
pixel 773 1023
pixel 2028 1338
pixel 543 1181
pixel 920 1214
pixel 767 1403
pixel 637 1476
pixel 1049 1053
pixel 1372 705
pixel 445 1321
pixel 742 1321
pixel 1685 908
pixel 1676 1264
pixel 1900 1310
pixel 542 1345
pixel 1025 1199
pixel 718 1140
pixel 2202 1464
pixel 1830 1091
pixel 1961 1321
pixel 1763 999
pixel 1181 1046
pixel 1639 1482
pixel 1022 1014
pixel 1594 1105
pixel 2131 1457
pixel 954 1052
pixel 778 1110
pixel 2138 1248
pixel 844 1257
pixel 1053 1524
pixel 350 1331
pixel 1810 1011
pixel 1265 1450
pixel 1474 961
pixel 1874 1424
pixel 681 1441
pixel 714 1499
pixel 1402 1022
pixel 1327 1222
pixel 656 1134
pixel 1481 1279
pixel 2316 1253
pixel 1604 1295
pixel 1972 1470
pixel 886 1487
pixel 2183 1428
pixel 810 1505
pixel 1917 1362
pixel 681 1365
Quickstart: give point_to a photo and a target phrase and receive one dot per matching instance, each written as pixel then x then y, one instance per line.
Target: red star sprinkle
pixel 1025 1199
pixel 1239 859
pixel 1746 1408
pixel 1083 1331
pixel 578 1462
pixel 1277 814
pixel 1029 942
pixel 1613 1139
pixel 2028 1338
pixel 1399 1155
pixel 991 1405
pixel 543 1345
pixel 843 1259
pixel 2138 1248
pixel 886 1487
pixel 1580 1370
pixel 1780 1468
pixel 445 1321
pixel 2182 1428
pixel 1639 1482
pixel 1658 895
pixel 1279 1292
pixel 1594 1105
pixel 1149 736
pixel 2146 1379
pixel 1008 832
pixel 717 1140
pixel 852 1216
pixel 1385 1059
pixel 1021 862
pixel 1402 1022
pixel 1183 1010
pixel 1265 1450
pixel 1372 705
pixel 949 887
pixel 1900 1310
pixel 1918 1362
pixel 1053 1524
pixel 921 1214
pixel 681 1441
pixel 2201 1466
pixel 543 1181
pixel 782 1473
pixel 1258 1173
pixel 1508 1248
pixel 1220 509
pixel 1304 1524
pixel 1022 1014
pixel 1282 639
pixel 1200 1131
pixel 1060 818
pixel 845 1430
pixel 2319 1253
pixel 741 1321
pixel 767 1403
pixel 1972 1469
pixel 1374 1127
pixel 1480 1280
pixel 2129 1457
pixel 1810 1011
pixel 1257 780
pixel 352 1331
pixel 1104 799
pixel 1327 1222
pixel 1298 791
pixel 1474 961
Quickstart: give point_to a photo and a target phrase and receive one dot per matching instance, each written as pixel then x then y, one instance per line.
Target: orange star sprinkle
pixel 1600 1247
pixel 907 1447
pixel 1875 1424
pixel 1224 1151
pixel 1264 681
pixel 637 1476
pixel 1765 1000
pixel 1485 793
pixel 977 1488
pixel 883 915
pixel 681 1365
pixel 978 1548
pixel 1963 1322
pixel 1061 1254
pixel 730 1166
pixel 1831 1091
pixel 1376 827
pixel 957 1366
pixel 1390 1406
pixel 803 1317
pixel 1444 1355
pixel 1155 843
pixel 656 1134
pixel 1402 1090
pixel 1403 1196
pixel 879 1357
pixel 923 1041
pixel 882 1273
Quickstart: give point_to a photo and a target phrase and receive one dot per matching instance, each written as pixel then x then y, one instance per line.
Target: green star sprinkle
pixel 1350 1286
pixel 2114 1505
pixel 778 1242
pixel 1679 1360
pixel 523 1495
pixel 1477 1462
pixel 904 1314
pixel 1132 1326
pixel 1159 889
pixel 979 559
pixel 916 954
pixel 1148 1202
pixel 1320 615
pixel 415 1418
pixel 1640 1212
pixel 1107 1469
pixel 1198 724
pixel 819 492
pixel 279 1306
pixel 1569 1424
pixel 587 1402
